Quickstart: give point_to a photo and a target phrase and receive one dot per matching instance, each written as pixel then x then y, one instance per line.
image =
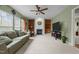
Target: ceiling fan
pixel 39 10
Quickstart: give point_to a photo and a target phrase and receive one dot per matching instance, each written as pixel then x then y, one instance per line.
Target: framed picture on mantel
pixel 39 22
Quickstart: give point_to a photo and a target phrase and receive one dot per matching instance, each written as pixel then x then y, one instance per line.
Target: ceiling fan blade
pixel 37 7
pixel 42 12
pixel 44 9
pixel 34 10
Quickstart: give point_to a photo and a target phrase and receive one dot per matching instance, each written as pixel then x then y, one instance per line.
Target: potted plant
pixel 64 39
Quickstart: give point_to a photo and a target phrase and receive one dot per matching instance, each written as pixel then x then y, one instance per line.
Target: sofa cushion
pixel 22 33
pixel 11 34
pixel 17 32
pixel 3 34
pixel 17 43
pixel 5 39
pixel 25 33
pixel 15 40
pixel 3 48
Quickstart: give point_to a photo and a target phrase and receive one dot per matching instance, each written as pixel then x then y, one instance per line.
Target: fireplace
pixel 39 31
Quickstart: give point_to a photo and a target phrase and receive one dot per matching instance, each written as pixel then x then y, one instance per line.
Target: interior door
pixel 47 25
pixel 31 25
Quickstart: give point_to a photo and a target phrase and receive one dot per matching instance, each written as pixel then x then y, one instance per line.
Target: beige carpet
pixel 45 44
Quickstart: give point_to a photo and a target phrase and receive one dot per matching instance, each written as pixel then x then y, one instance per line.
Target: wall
pixel 65 18
pixel 42 26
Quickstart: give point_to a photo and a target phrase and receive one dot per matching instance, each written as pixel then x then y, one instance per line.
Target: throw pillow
pixel 21 33
pixel 5 39
pixel 11 34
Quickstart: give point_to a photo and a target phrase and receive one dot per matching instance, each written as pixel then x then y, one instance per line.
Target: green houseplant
pixel 64 39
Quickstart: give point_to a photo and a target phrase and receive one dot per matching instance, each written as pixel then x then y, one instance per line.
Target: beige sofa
pixel 18 40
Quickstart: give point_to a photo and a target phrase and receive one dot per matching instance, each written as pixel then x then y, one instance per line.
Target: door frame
pixel 72 26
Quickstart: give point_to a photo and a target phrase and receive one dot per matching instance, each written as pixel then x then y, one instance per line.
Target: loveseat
pixel 12 41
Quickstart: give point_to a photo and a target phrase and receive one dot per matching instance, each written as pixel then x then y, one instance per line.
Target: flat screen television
pixel 57 27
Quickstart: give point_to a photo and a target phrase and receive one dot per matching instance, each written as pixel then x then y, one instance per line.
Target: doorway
pixel 31 23
pixel 75 27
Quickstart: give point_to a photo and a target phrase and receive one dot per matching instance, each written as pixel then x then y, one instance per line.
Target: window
pixel 10 20
pixel 6 20
pixel 17 23
pixel 22 24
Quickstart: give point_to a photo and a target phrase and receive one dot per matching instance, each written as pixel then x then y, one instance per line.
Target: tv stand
pixel 57 35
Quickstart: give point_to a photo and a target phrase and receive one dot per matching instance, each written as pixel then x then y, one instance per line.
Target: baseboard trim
pixel 70 44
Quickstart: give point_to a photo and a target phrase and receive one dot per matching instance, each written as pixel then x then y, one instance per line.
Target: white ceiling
pixel 52 11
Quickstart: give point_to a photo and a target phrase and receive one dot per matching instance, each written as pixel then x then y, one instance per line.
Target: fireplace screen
pixel 39 31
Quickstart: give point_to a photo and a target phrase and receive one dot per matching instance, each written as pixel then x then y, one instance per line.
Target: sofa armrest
pixel 3 48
